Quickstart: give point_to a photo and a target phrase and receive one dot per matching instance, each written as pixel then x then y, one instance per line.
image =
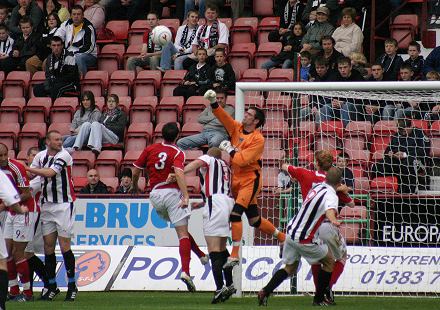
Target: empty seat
pixel 192 108
pixel 270 178
pixel 435 128
pixel 422 124
pixel 83 161
pixel 435 147
pixel 132 50
pixel 79 182
pixel 266 51
pixel 143 109
pixel 267 25
pixel 62 128
pixel 244 30
pixel 272 157
pixel 16 84
pixel 38 78
pixel 169 109
pixel 171 80
pixel 111 182
pixel 241 57
pixel 147 83
pixel 121 82
pixel 11 110
pixel 110 57
pixel 331 128
pixel 37 110
pixel 384 184
pixel 275 128
pixel 108 162
pixel 358 212
pixel 129 158
pixel 281 75
pixel 30 135
pixel 351 232
pixel 119 29
pixel 125 103
pixel 404 28
pixel 361 185
pixel 95 81
pixel 136 31
pixel 9 133
pixel 63 109
pixel 254 75
pixel 138 136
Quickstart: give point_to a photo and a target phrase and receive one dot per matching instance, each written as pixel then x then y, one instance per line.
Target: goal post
pixel 393 232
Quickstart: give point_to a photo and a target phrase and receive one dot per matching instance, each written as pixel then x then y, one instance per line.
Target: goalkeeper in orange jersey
pixel 245 148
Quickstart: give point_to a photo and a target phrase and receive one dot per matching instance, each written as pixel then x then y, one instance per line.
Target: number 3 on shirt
pixel 161 163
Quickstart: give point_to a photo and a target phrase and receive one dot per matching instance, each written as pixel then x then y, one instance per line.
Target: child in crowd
pixel 358 62
pixel 347 175
pixel 406 72
pixel 4 12
pixel 415 60
pixel 126 181
pixel 306 63
pixel 6 44
pixel 222 74
pixel 390 61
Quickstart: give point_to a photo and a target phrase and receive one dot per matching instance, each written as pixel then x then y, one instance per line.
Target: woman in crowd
pixel 53 6
pixel 94 13
pixel 348 36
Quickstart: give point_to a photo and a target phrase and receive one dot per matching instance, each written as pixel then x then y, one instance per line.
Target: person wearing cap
pixel 126 181
pixel 320 28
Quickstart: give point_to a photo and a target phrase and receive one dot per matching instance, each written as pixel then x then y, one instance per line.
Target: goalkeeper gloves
pixel 211 96
pixel 228 147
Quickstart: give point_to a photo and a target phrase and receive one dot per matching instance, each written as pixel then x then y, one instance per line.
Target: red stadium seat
pixel 270 179
pixel 129 158
pixel 121 82
pixel 63 109
pixel 16 84
pixel 100 103
pixel 384 184
pixel 385 128
pixel 272 157
pixel 172 23
pixel 244 30
pixel 358 156
pixel 110 57
pixel 435 129
pixel 37 110
pixel 351 232
pixel 96 82
pixel 38 78
pixel 30 135
pixel 62 128
pixel 108 162
pixel 136 31
pixel 125 103
pixel 83 161
pixel 279 102
pixel 111 182
pixel 169 109
pixel 331 128
pixel 79 182
pixel 273 143
pixel 120 31
pixel 241 56
pixel 191 155
pixel 22 155
pixel 435 147
pixel 170 80
pixel 11 110
pixel 361 185
pixel 254 75
pixel 263 8
pixel 192 108
pixel 2 77
pixel 143 109
pixel 267 25
pixel 306 130
pixel 275 128
pixel 147 83
pixel 138 136
pixel 422 124
pixel 281 75
pixel 189 129
pixel 132 50
pixel 9 133
pixel 266 51
pixel 357 212
pixel 404 28
pixel 252 100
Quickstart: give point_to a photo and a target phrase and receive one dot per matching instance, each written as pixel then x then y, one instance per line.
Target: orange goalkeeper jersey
pixel 250 146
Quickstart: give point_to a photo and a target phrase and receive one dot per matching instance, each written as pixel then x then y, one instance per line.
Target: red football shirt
pixel 161 159
pixel 308 178
pixel 18 176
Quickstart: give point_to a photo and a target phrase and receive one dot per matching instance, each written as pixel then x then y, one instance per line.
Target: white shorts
pixel 330 235
pixel 58 217
pixel 37 243
pixel 311 252
pixel 216 215
pixel 167 204
pixel 3 216
pixel 20 227
pixel 3 250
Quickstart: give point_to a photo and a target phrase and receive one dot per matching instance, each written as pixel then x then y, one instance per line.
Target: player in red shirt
pixel 19 228
pixel 331 236
pixel 160 160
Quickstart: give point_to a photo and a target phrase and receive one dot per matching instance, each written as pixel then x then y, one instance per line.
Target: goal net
pixel 386 136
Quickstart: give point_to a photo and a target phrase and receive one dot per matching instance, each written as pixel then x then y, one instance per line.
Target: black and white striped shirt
pixel 59 188
pixel 6 46
pixel 303 226
pixel 215 176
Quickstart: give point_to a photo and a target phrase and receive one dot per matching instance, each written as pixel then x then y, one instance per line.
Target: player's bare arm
pixel 180 178
pixel 25 193
pixel 194 165
pixel 331 215
pixel 42 172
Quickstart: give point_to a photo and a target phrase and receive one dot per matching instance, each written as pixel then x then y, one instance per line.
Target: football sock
pixel 337 271
pixel 185 253
pixel 268 228
pixel 37 266
pixel 3 288
pixel 237 233
pixel 315 271
pixel 195 248
pixel 276 280
pixel 323 282
pixel 50 261
pixel 12 277
pixel 69 263
pixel 227 273
pixel 22 268
pixel 217 268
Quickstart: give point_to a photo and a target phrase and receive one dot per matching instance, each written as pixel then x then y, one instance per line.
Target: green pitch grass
pixel 161 300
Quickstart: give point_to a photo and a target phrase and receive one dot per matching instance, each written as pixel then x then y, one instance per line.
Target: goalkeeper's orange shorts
pixel 246 187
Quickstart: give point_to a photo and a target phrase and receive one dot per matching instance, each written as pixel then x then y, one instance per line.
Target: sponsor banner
pixel 132 222
pixel 408 222
pixel 379 269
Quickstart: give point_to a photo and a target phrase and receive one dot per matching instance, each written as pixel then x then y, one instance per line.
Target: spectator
pixel 329 53
pixel 4 14
pixel 61 72
pixel 346 72
pixel 285 184
pixel 94 13
pixel 390 61
pixel 126 9
pixel 25 46
pixel 210 36
pixel 376 73
pixel 29 9
pixel 406 73
pixel 332 5
pixel 291 45
pixel 237 7
pixel 306 60
pixel 432 62
pixel 320 28
pixel 88 112
pixel 54 7
pixel 358 63
pixel 405 156
pixel 35 63
pixel 150 53
pixel 348 36
pixel 182 46
pixel 289 17
pixel 196 80
pixel 95 185
pixel 126 182
pixel 6 44
pixel 311 21
pixel 80 38
pixel 415 60
pixel 347 174
pixel 222 75
pixel 190 5
pixel 312 5
pixel 321 72
pixel 213 132
pixel 434 113
pixel 433 76
pixel 109 129
pixel 434 10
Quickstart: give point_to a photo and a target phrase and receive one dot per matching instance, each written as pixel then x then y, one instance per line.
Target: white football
pixel 162 35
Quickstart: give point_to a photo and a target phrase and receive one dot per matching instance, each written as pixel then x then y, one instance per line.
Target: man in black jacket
pixel 62 74
pixel 95 186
